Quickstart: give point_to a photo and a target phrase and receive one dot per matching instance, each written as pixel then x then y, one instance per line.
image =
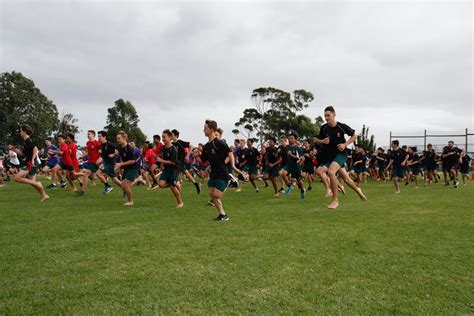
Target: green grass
pixel 408 253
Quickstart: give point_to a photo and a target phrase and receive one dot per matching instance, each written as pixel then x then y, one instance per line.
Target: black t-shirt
pixel 126 154
pixel 382 159
pixel 398 156
pixel 272 154
pixel 454 159
pixel 414 157
pixel 171 154
pixel 284 154
pixel 336 137
pixel 241 155
pixel 308 158
pixel 465 162
pixel 28 146
pixel 251 156
pixel 106 150
pixel 358 157
pixel 429 157
pixel 216 152
pixel 180 146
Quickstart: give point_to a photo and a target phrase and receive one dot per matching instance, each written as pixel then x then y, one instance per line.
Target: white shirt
pixel 13 157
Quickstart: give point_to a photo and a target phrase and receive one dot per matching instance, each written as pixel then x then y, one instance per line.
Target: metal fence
pixel 468 147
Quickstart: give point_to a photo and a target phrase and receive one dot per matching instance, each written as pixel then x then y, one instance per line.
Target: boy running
pixel 216 152
pixel 27 174
pixel 93 155
pixel 272 161
pixel 128 164
pixel 292 166
pixel 107 153
pixel 331 135
pixel 184 149
pixel 398 160
pixel 170 176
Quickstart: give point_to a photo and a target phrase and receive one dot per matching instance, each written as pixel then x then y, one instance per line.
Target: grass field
pixel 408 253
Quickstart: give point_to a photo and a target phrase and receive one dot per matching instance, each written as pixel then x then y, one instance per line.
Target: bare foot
pixel 276 195
pixel 128 204
pixel 343 191
pixel 328 194
pixel 180 205
pixel 238 190
pixel 362 196
pixel 397 192
pixel 333 205
pixel 44 197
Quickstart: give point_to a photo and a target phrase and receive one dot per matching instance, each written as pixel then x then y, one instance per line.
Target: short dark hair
pixel 150 146
pixel 250 140
pixel 71 136
pixel 175 132
pixel 61 136
pixel 49 139
pixel 330 109
pixel 91 131
pixel 294 134
pixel 103 133
pixel 157 137
pixel 27 129
pixel 211 124
pixel 272 138
pixel 395 142
pixel 168 132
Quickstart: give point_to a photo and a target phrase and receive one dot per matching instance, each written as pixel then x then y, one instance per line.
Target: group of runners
pixel 285 163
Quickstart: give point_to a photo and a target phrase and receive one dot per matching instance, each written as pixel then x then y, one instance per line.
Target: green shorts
pixel 357 169
pixel 130 174
pixel 340 159
pixel 398 172
pixel 182 167
pixel 109 170
pixel 273 171
pixel 294 172
pixel 170 175
pixel 66 167
pixel 251 169
pixel 92 167
pixel 415 170
pixel 219 184
pixel 33 171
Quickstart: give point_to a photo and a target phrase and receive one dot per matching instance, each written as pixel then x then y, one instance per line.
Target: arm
pixel 343 146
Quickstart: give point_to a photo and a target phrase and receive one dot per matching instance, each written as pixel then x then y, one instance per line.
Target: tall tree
pixel 67 125
pixel 124 117
pixel 366 142
pixel 276 112
pixel 21 102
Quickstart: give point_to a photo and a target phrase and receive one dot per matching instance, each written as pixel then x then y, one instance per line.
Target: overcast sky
pixel 400 66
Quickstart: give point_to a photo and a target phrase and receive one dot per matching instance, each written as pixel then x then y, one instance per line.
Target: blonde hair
pixel 123 134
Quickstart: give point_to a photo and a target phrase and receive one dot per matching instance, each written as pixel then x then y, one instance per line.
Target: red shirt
pixel 93 147
pixel 66 156
pixel 73 153
pixel 159 149
pixel 150 157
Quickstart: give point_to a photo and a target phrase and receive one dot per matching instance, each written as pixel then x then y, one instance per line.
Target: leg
pixel 177 195
pixel 127 188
